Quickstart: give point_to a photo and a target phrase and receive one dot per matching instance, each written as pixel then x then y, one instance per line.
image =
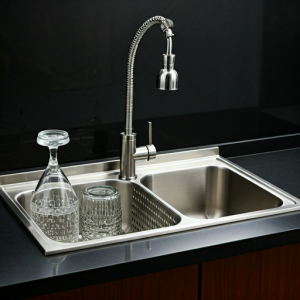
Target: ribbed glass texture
pixel 100 212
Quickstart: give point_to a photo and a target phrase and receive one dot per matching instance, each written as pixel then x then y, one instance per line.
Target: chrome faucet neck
pixel 129 152
pixel 165 27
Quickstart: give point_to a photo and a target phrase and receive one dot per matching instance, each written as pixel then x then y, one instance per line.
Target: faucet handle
pixel 146 152
pixel 150 133
pixel 150 146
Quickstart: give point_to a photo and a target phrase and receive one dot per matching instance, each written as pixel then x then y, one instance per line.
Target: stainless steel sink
pixel 176 192
pixel 210 192
pixel 140 210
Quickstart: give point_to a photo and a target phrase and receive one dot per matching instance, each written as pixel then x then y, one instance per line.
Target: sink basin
pixel 176 192
pixel 140 210
pixel 209 192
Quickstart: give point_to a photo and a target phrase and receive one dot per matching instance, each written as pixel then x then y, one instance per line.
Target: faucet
pixel 167 80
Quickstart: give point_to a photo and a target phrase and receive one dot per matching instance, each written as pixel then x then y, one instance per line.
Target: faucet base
pixel 128 178
pixel 127 161
pixel 130 153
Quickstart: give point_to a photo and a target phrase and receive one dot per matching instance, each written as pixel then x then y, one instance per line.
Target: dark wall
pixel 63 65
pixel 280 83
pixel 69 58
pixel 281 52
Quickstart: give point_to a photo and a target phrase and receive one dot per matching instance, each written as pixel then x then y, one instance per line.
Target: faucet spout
pixel 166 28
pixel 129 152
pixel 169 46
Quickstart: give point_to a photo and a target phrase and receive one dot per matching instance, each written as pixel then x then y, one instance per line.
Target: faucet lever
pixel 150 133
pixel 151 148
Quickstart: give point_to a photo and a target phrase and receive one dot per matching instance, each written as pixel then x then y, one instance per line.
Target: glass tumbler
pixel 54 204
pixel 100 212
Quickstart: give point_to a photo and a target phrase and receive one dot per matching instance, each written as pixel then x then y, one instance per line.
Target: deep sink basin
pixel 209 192
pixel 176 192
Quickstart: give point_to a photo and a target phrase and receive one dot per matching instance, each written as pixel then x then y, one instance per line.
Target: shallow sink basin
pixel 209 192
pixel 176 192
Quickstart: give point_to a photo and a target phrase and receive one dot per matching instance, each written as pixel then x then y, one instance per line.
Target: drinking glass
pixel 54 204
pixel 100 212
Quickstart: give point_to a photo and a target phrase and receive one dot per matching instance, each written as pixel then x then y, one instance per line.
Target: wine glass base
pixel 53 138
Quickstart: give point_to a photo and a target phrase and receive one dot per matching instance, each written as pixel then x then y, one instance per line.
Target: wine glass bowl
pixel 54 204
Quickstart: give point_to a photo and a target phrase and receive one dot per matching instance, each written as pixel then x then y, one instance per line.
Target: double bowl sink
pixel 176 192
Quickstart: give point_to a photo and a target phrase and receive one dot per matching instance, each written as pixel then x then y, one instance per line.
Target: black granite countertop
pixel 26 272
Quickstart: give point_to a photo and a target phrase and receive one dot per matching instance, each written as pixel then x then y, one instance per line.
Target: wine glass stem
pixel 53 156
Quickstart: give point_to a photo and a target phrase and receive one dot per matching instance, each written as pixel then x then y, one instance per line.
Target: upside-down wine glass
pixel 54 204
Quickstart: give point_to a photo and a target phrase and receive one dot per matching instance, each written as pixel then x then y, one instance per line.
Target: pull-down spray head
pixel 167 78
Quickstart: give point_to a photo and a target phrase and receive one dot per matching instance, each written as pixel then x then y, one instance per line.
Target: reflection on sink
pixel 209 192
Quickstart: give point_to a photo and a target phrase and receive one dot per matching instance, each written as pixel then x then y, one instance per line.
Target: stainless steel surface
pixel 140 210
pixel 150 147
pixel 150 133
pixel 209 192
pixel 166 80
pixel 151 152
pixel 176 192
pixel 127 161
pixel 141 153
pixel 165 27
pixel 169 45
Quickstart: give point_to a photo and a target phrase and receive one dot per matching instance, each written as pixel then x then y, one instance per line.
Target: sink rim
pixel 107 171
